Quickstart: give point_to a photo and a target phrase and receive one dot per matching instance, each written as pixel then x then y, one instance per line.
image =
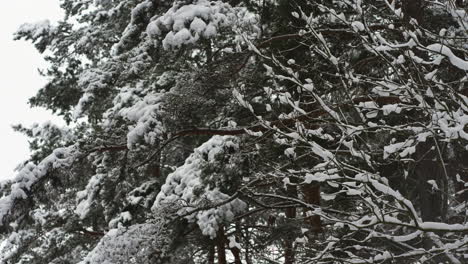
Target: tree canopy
pixel 246 131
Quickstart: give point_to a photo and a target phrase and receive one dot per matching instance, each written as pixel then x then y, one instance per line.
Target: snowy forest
pixel 246 132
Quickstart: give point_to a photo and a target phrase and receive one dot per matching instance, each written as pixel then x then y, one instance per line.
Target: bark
pixel 221 239
pixel 236 253
pixel 430 168
pixel 289 254
pixel 211 255
pixel 312 196
pixel 458 171
pixel 433 203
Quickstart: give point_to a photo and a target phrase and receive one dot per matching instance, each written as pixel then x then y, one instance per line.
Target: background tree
pixel 246 132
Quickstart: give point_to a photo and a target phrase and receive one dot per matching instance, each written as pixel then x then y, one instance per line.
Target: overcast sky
pixel 19 78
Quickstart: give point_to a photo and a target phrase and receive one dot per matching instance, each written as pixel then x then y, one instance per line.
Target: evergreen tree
pixel 246 131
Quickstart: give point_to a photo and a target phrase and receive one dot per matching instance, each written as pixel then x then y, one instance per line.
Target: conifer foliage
pixel 253 131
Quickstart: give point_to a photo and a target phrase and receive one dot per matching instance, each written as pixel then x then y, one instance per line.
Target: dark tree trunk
pixel 458 170
pixel 236 253
pixel 312 196
pixel 289 254
pixel 211 255
pixel 430 168
pixel 221 239
pixel 432 201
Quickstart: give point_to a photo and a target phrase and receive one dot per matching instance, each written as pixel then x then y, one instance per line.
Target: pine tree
pixel 246 132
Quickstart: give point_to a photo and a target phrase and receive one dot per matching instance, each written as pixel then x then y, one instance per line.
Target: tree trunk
pixel 433 202
pixel 236 253
pixel 247 246
pixel 289 256
pixel 211 255
pixel 312 196
pixel 430 168
pixel 221 246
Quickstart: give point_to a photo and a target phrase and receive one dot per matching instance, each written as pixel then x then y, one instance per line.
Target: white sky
pixel 19 78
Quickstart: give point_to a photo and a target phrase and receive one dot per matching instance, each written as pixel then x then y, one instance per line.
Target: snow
pixel 135 244
pixel 139 13
pixel 35 30
pixel 390 108
pixel 203 17
pixel 180 189
pixel 321 177
pixel 405 147
pixel 452 125
pixel 290 153
pixel 86 198
pixel 205 198
pixel 429 76
pixel 233 243
pixel 456 61
pixel 187 24
pixel 358 26
pixel 198 25
pixel 405 238
pixel 438 226
pixel 141 108
pixel 31 174
pixel 91 80
pixel 433 184
pixel 321 152
pixel 385 189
